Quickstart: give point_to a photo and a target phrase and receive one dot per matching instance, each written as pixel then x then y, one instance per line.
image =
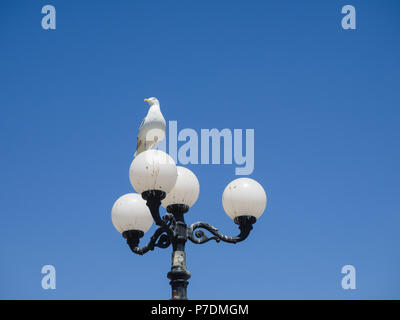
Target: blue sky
pixel 324 104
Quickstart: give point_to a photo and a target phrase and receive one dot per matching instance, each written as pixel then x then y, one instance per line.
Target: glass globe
pixel 130 212
pixel 186 190
pixel 244 197
pixel 153 170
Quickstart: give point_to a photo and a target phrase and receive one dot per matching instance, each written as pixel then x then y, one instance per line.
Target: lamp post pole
pixel 244 200
pixel 179 275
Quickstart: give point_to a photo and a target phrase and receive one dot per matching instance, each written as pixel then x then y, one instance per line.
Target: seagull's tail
pixel 139 149
pixel 146 146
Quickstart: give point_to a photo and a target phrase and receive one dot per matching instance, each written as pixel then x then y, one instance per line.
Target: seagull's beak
pixel 147 100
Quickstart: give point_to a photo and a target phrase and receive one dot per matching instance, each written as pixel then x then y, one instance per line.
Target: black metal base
pixel 132 234
pixel 153 194
pixel 177 208
pixel 243 220
pixel 133 237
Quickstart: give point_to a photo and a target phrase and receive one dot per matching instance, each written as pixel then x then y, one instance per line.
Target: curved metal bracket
pixel 153 201
pixel 245 225
pixel 161 238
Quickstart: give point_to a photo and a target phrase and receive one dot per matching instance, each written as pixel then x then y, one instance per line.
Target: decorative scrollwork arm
pixel 161 238
pixel 245 225
pixel 199 236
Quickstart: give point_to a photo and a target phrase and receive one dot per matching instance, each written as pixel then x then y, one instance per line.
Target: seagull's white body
pixel 152 129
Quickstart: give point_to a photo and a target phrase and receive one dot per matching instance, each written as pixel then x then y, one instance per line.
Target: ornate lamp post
pixel 160 182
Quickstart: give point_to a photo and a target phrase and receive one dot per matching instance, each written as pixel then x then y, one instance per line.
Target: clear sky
pixel 324 104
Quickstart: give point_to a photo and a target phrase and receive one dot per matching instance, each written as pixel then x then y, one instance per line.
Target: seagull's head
pixel 151 101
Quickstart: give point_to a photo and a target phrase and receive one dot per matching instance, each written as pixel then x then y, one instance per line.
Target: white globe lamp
pixel 153 170
pixel 130 212
pixel 244 197
pixel 185 191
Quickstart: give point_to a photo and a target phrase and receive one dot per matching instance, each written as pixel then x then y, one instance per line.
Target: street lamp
pixel 154 174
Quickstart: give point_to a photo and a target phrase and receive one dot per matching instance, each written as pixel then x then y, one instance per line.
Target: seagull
pixel 152 129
